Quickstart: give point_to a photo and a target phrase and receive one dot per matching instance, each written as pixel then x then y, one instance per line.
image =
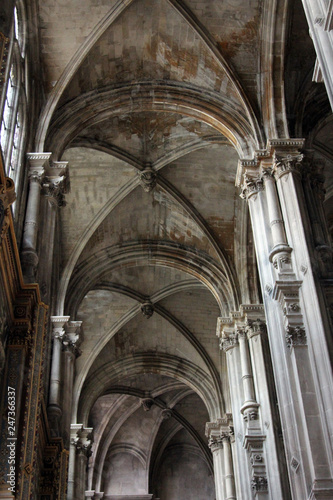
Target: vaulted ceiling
pixel 181 89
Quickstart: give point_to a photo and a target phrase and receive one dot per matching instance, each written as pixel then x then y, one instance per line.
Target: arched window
pixel 13 105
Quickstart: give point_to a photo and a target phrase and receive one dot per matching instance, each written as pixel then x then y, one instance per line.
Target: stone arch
pixel 177 368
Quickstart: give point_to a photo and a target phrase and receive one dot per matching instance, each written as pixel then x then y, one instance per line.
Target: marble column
pixel 29 257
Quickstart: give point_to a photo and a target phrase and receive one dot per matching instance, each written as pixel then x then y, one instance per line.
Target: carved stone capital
pixel 259 483
pixel 252 185
pixel 55 190
pixel 218 431
pixel 82 440
pixel 286 164
pixel 58 324
pixel 73 337
pixel 56 183
pixel 295 336
pixel 228 341
pixel 255 327
pixel 148 178
pixel 215 443
pixel 38 162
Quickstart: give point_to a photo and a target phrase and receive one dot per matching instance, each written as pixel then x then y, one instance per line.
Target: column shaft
pixel 228 470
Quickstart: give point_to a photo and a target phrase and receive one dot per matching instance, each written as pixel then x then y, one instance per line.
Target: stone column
pixel 219 434
pixel 230 491
pixel 37 165
pixel 216 446
pixel 71 351
pixel 54 408
pixel 55 185
pixel 283 275
pixel 81 442
pixel 230 344
pixel 250 406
